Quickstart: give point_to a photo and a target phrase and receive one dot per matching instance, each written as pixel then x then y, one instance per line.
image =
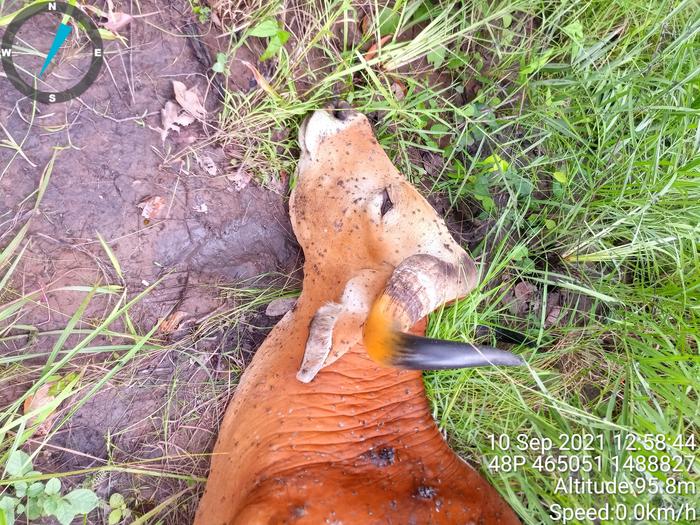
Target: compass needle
pixel 72 22
pixel 61 34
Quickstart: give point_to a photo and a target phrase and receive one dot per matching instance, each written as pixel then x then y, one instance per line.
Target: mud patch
pixel 109 159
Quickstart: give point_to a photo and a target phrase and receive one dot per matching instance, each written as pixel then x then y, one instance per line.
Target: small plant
pixel 496 166
pixel 220 64
pixel 203 12
pixel 118 509
pixel 38 499
pixel 270 28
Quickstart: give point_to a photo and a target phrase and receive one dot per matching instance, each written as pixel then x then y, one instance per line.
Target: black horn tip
pixel 421 353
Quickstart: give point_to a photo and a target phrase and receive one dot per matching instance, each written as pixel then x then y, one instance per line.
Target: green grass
pixel 616 116
pixel 61 368
pixel 579 151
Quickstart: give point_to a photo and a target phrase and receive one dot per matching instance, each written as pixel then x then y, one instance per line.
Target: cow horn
pixel 418 286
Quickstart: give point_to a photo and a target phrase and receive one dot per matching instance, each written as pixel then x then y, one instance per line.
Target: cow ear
pixel 337 327
pixel 347 334
pixel 320 341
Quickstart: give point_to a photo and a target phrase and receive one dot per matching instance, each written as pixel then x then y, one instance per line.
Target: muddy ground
pixel 208 232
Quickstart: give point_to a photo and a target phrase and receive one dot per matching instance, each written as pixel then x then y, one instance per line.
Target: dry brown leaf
pixel 279 184
pixel 284 180
pixel 525 298
pixel 216 20
pixel 208 165
pixel 262 82
pixel 374 49
pixel 553 316
pixel 524 291
pixel 151 207
pixel 275 186
pixel 171 323
pixel 169 114
pixel 240 178
pixel 398 89
pixel 280 306
pixel 117 21
pixel 173 118
pixel 366 24
pixel 189 99
pixel 37 402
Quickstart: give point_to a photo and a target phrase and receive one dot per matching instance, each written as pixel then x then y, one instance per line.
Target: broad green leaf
pixel 18 464
pixel 574 31
pixel 82 500
pixel 266 28
pixel 283 36
pixel 536 64
pixel 560 177
pixel 519 252
pixel 523 186
pixel 116 500
pixel 114 517
pixel 437 56
pixel 495 163
pixel 455 62
pixel 65 512
pixel 53 486
pixel 390 17
pixel 7 517
pixel 8 502
pixel 439 129
pixel 486 202
pixel 557 190
pixel 220 65
pixel 469 110
pixel 106 34
pixel 20 488
pixel 275 44
pixel 35 508
pixel 35 489
pixel 50 505
pixel 388 21
pixel 7 513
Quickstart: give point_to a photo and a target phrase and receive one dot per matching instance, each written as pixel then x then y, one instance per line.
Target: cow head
pixel 352 211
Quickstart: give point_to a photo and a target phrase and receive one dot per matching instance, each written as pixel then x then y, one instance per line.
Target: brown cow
pixel 318 432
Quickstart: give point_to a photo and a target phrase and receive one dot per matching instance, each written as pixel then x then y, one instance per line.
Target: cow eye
pixel 387 205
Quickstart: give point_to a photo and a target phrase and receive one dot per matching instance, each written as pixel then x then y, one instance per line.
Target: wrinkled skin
pixel 357 445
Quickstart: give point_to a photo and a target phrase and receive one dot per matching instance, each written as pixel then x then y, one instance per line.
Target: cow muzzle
pixel 324 123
